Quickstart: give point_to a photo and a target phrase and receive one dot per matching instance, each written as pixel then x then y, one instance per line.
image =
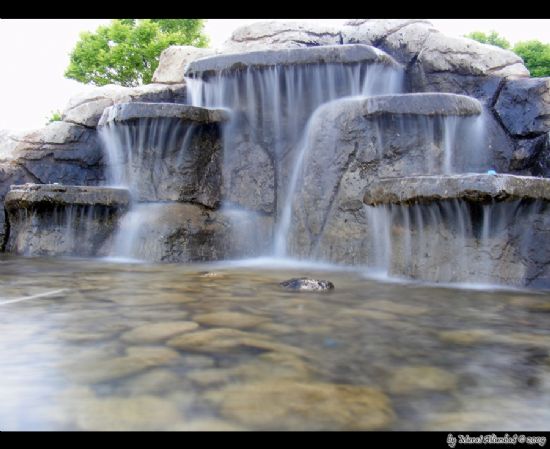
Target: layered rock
pixel 62 220
pixel 166 152
pixel 328 54
pixel 355 141
pixel 278 35
pixel 460 228
pixel 477 188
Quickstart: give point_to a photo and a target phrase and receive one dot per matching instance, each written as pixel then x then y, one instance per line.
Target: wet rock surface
pixel 469 187
pixel 165 152
pixel 307 285
pixel 49 219
pixel 328 54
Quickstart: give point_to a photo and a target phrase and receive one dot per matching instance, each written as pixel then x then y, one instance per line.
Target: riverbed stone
pixel 234 320
pixel 413 379
pixel 144 412
pixel 224 340
pixel 307 285
pixel 290 405
pixel 158 331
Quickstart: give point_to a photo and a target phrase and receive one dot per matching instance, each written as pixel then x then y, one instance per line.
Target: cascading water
pixel 274 105
pixel 455 240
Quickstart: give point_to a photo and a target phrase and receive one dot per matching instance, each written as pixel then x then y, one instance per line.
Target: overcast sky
pixel 35 54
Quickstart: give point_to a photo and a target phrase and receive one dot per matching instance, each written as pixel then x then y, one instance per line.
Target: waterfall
pixel 274 105
pixel 455 240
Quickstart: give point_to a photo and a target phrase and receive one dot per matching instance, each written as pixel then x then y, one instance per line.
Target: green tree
pixel 535 55
pixel 493 38
pixel 127 51
pixel 54 117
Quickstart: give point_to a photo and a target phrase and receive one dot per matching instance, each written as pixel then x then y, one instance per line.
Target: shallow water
pixel 99 345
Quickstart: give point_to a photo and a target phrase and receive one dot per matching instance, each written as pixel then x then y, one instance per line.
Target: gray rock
pixel 86 108
pixel 249 175
pixel 406 43
pixel 307 285
pixel 29 195
pixel 524 106
pixel 262 35
pixel 61 152
pixel 166 152
pixel 480 188
pixel 173 61
pixel 463 66
pixel 373 31
pixel 184 232
pixel 329 54
pixel 10 173
pixel 430 104
pixel 127 112
pixel 464 56
pixel 349 148
pixel 62 220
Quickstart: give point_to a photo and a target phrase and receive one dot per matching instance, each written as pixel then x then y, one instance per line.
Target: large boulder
pixel 402 38
pixel 174 60
pixel 523 106
pixel 279 35
pixel 61 152
pixel 463 66
pixel 85 109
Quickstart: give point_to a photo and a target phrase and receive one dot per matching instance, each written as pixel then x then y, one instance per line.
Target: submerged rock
pixel 307 285
pixel 290 405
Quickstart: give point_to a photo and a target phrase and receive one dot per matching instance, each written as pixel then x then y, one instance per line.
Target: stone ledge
pixel 422 104
pixel 125 112
pixel 327 54
pixel 479 188
pixel 29 195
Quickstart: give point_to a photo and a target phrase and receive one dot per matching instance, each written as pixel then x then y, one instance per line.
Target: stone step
pixel 27 196
pixel 473 187
pixel 326 54
pixel 127 112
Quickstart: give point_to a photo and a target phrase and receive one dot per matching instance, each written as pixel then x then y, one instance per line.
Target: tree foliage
pixel 127 51
pixel 535 55
pixel 493 38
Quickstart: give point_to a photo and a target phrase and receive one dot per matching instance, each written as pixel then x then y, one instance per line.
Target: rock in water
pixel 307 285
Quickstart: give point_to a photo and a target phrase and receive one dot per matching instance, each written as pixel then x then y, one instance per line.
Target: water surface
pixel 98 345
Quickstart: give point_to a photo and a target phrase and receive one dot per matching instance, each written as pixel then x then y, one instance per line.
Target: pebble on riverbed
pixel 307 285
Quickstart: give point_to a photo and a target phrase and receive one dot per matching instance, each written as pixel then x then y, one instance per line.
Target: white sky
pixel 35 54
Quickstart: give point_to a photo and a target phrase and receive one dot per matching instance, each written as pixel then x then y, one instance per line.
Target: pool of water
pixel 99 345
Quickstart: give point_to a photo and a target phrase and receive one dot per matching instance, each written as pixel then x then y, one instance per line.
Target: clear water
pixel 82 349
